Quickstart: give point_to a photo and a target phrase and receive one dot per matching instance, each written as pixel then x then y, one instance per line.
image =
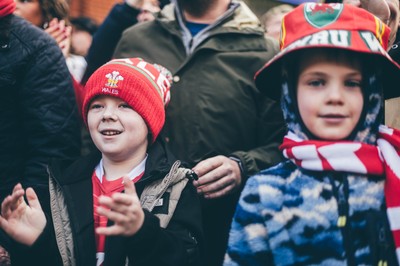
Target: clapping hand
pixel 21 221
pixel 61 33
pixel 123 209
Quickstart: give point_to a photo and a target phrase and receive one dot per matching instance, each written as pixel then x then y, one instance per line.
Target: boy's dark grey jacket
pixel 179 244
pixel 38 114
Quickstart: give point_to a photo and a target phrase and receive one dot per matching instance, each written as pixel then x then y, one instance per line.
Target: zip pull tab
pixel 382 263
pixel 191 175
pixel 342 206
pixel 342 221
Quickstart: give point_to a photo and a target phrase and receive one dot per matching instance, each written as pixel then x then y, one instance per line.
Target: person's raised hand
pixel 61 33
pixel 21 221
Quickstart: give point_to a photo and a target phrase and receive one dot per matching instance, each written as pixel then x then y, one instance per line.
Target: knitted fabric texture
pixel 7 7
pixel 143 86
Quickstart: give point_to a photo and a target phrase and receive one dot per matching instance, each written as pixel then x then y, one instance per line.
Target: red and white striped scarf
pixel 355 157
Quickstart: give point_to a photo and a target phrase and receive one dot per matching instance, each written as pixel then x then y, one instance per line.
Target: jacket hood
pixel 371 117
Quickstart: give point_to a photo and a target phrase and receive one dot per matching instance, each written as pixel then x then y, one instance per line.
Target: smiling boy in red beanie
pixel 130 203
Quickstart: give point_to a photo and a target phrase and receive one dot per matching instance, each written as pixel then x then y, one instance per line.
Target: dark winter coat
pixel 38 114
pixel 179 244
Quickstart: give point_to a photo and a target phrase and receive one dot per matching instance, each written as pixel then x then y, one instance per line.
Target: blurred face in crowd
pixel 386 10
pixel 272 20
pixel 80 42
pixel 196 7
pixel 148 9
pixel 30 10
pixel 272 26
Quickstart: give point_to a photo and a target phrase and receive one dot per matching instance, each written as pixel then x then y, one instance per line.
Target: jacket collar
pixel 159 161
pixel 239 14
pixel 238 18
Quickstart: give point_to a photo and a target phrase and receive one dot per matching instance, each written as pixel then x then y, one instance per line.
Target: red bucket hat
pixel 334 26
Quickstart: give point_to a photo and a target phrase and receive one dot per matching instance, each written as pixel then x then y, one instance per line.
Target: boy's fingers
pixel 115 203
pixel 4 224
pixel 17 199
pixel 129 186
pixel 10 203
pixel 109 230
pixel 112 215
pixel 17 187
pixel 33 199
pixel 5 206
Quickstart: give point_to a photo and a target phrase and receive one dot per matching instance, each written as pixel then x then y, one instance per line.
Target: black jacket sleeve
pixel 48 111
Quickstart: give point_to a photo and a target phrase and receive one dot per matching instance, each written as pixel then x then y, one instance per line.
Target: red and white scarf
pixel 355 157
pixel 7 7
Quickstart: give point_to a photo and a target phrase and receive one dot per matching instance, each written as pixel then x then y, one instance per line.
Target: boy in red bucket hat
pixel 336 199
pixel 131 204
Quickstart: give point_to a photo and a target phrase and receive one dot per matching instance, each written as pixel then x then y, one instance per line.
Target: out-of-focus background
pixel 98 9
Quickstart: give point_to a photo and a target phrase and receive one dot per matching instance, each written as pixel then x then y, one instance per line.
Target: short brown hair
pixel 54 9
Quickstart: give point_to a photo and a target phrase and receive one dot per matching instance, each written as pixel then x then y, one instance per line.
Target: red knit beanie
pixel 7 7
pixel 144 86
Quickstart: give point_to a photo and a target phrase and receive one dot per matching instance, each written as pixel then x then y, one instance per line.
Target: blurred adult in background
pixel 41 12
pixel 53 17
pixel 272 20
pixel 122 16
pixel 38 114
pixel 217 121
pixel 50 15
pixel 80 39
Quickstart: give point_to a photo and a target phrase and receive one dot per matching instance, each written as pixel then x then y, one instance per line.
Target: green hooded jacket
pixel 215 108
